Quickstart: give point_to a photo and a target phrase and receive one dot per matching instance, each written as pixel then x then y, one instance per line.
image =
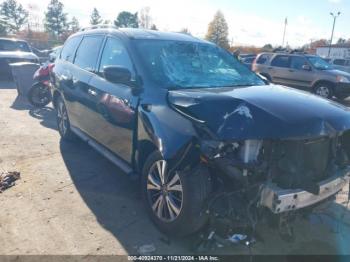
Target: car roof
pixel 136 33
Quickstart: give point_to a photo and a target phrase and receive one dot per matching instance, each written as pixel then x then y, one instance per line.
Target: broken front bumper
pixel 280 200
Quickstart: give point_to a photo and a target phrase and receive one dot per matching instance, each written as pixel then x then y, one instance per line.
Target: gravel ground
pixel 70 200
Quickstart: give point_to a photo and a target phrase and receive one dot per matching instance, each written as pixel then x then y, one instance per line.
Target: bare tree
pixel 145 19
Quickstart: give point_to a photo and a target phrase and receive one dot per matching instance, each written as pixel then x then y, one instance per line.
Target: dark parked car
pixel 12 51
pixel 209 139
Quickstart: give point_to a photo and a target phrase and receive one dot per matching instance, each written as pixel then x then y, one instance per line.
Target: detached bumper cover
pixel 282 200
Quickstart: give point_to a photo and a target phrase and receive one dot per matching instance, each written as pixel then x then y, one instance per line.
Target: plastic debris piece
pixel 8 179
pixel 237 238
pixel 146 249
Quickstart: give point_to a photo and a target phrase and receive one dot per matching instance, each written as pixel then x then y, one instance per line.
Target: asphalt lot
pixel 70 200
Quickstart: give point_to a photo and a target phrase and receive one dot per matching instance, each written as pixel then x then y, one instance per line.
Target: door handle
pixel 92 92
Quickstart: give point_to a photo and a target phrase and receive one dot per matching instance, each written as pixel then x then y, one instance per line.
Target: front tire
pixel 39 95
pixel 63 123
pixel 175 201
pixel 324 90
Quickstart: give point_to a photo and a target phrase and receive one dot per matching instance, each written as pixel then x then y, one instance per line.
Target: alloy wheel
pixel 62 118
pixel 165 192
pixel 323 91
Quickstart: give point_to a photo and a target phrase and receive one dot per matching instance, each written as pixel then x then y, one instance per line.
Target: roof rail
pixel 99 26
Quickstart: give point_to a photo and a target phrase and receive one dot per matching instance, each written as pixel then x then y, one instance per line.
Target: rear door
pixel 63 76
pixel 80 90
pixel 114 104
pixel 279 69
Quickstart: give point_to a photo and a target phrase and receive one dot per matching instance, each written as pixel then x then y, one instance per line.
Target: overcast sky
pixel 251 22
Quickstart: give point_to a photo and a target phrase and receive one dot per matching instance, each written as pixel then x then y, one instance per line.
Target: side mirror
pixel 117 74
pixel 306 67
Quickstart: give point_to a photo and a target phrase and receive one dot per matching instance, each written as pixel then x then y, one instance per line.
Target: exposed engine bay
pixel 256 179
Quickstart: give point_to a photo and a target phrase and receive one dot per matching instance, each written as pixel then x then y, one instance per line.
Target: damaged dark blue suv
pixel 211 141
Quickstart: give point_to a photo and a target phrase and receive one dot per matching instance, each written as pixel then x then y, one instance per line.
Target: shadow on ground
pixel 113 198
pixel 46 115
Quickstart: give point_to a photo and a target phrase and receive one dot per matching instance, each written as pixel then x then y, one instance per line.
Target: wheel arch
pixel 55 96
pixel 326 82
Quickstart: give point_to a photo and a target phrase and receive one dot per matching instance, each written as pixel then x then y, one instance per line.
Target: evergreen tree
pixel 95 17
pixel 218 31
pixel 127 19
pixel 74 25
pixel 14 14
pixel 55 19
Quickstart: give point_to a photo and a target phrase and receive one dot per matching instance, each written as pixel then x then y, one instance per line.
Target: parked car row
pixel 303 71
pixel 211 142
pixel 341 64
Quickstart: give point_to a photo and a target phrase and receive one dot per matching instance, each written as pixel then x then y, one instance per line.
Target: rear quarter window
pixel 263 59
pixel 69 49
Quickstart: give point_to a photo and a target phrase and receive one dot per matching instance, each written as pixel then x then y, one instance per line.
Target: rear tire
pixel 175 201
pixel 63 123
pixel 324 90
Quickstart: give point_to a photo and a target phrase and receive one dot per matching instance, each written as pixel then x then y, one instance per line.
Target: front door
pixel 300 77
pixel 115 104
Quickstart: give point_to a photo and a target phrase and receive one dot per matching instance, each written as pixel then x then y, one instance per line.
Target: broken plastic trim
pixel 280 200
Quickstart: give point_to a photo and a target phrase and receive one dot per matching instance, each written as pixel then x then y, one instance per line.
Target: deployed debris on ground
pixel 8 179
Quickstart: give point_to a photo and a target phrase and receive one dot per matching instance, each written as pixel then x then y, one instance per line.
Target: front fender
pixel 168 131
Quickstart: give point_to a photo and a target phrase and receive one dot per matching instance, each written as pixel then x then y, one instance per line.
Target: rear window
pixel 263 59
pixel 340 62
pixel 8 45
pixel 280 61
pixel 87 54
pixel 69 48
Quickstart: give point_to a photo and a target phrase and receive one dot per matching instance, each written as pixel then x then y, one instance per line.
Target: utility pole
pixel 285 30
pixel 335 16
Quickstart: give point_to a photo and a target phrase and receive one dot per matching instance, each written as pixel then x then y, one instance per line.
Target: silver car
pixel 303 71
pixel 340 64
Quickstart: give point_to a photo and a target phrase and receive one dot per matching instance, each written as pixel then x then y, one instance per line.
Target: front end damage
pixel 257 178
pixel 272 152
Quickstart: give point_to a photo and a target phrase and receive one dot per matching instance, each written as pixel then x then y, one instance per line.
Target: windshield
pixel 8 45
pixel 319 63
pixel 178 64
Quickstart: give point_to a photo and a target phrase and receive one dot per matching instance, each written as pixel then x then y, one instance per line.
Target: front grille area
pixel 302 164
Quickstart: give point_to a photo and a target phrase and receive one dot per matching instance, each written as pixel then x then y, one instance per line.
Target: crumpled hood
pixel 18 54
pixel 262 112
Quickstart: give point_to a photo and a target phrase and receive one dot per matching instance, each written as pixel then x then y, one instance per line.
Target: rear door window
pixel 69 49
pixel 297 62
pixel 280 61
pixel 88 50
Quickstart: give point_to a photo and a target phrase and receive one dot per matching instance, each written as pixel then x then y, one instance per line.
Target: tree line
pixel 14 18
